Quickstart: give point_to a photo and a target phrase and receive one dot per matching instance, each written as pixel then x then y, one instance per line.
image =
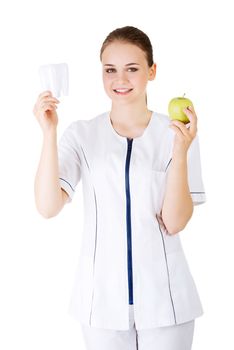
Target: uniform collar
pixel 124 139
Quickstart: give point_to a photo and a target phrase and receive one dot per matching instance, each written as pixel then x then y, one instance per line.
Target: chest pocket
pixel 161 165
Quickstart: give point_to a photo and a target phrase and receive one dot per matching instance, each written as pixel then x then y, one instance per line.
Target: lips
pixel 122 91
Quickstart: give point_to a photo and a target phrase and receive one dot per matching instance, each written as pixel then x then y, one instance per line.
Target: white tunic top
pixel 126 257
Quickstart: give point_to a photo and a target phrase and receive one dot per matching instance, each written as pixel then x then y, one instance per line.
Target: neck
pixel 130 114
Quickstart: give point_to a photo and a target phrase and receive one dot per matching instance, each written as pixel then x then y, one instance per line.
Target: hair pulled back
pixel 131 35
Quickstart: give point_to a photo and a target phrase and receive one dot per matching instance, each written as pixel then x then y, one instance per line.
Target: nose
pixel 122 77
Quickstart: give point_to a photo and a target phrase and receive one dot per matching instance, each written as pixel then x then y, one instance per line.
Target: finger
pixel 37 110
pixel 177 131
pixel 51 99
pixel 189 111
pixel 44 99
pixel 49 107
pixel 43 107
pixel 182 127
pixel 191 108
pixel 47 103
pixel 160 220
pixel 45 93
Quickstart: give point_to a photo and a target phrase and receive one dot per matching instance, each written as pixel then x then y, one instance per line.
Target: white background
pixel 192 43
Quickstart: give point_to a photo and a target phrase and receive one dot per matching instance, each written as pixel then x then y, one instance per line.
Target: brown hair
pixel 133 36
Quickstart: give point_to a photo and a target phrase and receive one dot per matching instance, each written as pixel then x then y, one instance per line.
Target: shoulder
pixel 161 124
pixel 84 131
pixel 82 125
pixel 163 119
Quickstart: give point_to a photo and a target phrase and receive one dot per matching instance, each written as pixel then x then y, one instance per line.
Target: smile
pixel 122 91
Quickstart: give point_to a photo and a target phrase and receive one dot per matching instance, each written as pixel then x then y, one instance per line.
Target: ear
pixel 152 71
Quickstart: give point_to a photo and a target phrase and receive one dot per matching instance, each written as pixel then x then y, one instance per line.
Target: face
pixel 125 72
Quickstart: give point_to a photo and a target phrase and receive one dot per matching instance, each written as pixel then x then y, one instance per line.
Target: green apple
pixel 176 107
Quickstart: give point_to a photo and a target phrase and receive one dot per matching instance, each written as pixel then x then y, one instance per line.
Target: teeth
pixel 122 90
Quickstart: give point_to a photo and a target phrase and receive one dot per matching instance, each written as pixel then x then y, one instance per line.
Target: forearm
pixel 177 206
pixel 48 194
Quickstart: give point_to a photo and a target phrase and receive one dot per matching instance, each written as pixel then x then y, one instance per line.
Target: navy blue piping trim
pixel 128 220
pixel 168 276
pixel 85 158
pixel 168 164
pixel 197 192
pixel 67 183
pixel 166 170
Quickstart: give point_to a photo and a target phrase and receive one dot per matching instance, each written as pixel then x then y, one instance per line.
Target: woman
pixel 141 176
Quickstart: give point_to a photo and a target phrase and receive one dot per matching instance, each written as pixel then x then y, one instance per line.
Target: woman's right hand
pixel 45 111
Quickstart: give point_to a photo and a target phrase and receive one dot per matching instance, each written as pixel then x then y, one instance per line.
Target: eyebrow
pixel 128 64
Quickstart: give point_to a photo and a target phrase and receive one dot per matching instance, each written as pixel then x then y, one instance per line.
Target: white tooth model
pixel 55 77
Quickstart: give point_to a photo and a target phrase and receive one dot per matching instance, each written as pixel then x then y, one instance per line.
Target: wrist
pixel 50 137
pixel 180 156
pixel 50 132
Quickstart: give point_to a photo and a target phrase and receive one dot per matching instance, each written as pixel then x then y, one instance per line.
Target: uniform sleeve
pixel 195 181
pixel 69 160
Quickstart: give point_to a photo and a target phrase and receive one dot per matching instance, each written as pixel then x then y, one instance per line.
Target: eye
pixel 113 70
pixel 132 69
pixel 110 70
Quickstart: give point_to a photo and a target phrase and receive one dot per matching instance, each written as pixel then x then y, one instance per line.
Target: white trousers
pixel 176 337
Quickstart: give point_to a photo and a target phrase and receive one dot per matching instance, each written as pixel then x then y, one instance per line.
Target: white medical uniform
pixel 127 257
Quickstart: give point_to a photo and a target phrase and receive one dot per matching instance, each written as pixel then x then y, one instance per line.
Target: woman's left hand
pixel 185 133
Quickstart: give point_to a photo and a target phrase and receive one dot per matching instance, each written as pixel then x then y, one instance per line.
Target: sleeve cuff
pixel 198 197
pixel 66 186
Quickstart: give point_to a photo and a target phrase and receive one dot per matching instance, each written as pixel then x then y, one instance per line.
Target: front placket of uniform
pixel 128 220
